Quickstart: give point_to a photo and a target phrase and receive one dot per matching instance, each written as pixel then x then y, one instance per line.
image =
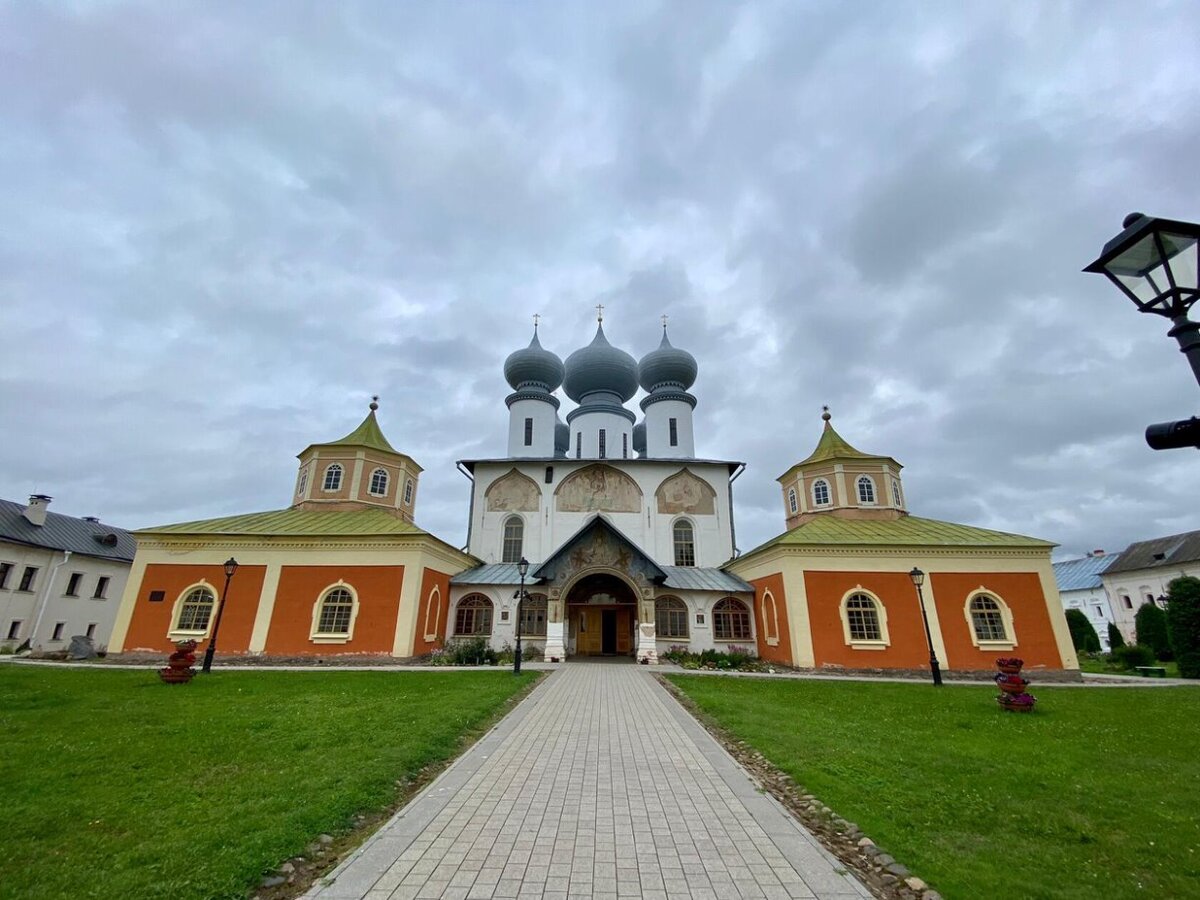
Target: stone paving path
pixel 598 785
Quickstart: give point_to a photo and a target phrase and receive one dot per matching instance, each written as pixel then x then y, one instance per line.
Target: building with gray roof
pixel 1081 587
pixel 1144 571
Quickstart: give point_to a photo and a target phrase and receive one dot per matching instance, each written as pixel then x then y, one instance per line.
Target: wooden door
pixel 624 631
pixel 587 634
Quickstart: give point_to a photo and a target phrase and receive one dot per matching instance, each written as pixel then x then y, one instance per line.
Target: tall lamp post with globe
pixel 1156 264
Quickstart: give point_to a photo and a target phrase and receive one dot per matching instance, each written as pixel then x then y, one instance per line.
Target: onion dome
pixel 534 367
pixel 639 437
pixel 600 367
pixel 562 438
pixel 667 367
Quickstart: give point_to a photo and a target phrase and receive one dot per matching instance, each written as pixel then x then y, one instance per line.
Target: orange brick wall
pixel 429 580
pixel 151 621
pixel 378 589
pixel 908 648
pixel 782 652
pixel 1022 591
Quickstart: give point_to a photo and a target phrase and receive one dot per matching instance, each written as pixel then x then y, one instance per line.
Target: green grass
pixel 1100 667
pixel 115 785
pixel 1095 794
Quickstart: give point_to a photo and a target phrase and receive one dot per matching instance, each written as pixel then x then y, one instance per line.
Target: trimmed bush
pixel 1115 638
pixel 1151 625
pixel 1183 624
pixel 1133 655
pixel 1083 635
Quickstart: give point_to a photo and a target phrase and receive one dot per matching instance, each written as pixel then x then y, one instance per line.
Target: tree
pixel 1083 635
pixel 1183 623
pixel 1115 638
pixel 1151 625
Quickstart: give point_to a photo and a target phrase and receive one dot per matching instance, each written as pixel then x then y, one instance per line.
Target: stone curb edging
pixel 886 878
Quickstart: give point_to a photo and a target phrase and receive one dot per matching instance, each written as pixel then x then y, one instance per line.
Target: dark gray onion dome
pixel 562 438
pixel 667 367
pixel 600 367
pixel 534 367
pixel 639 437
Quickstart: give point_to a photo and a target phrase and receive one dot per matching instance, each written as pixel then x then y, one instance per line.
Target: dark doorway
pixel 608 631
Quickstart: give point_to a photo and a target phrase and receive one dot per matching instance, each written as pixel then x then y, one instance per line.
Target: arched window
pixel 770 618
pixel 533 615
pixel 820 491
pixel 896 495
pixel 474 616
pixel 987 618
pixel 685 543
pixel 670 619
pixel 862 618
pixel 866 489
pixel 514 537
pixel 433 614
pixel 196 610
pixel 302 482
pixel 333 478
pixel 731 620
pixel 335 612
pixel 792 505
pixel 379 482
pixel 408 491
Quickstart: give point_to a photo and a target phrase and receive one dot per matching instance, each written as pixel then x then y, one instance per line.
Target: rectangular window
pixel 14 629
pixel 578 444
pixel 673 424
pixel 549 474
pixel 408 491
pixel 157 596
pixel 5 572
pixel 529 432
pixel 624 446
pixel 27 578
pixel 58 630
pixel 73 584
pixel 603 443
pixel 101 588
pixel 91 630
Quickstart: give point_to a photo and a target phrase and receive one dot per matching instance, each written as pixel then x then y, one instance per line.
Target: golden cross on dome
pixel 600 313
pixel 536 319
pixel 664 318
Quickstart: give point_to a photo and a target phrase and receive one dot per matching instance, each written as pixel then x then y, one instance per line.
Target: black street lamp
pixel 1156 264
pixel 231 566
pixel 918 579
pixel 522 570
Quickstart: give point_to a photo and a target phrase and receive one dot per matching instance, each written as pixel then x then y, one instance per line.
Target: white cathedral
pixel 626 528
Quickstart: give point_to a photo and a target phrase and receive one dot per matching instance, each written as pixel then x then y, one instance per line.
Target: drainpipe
pixel 471 511
pixel 44 599
pixel 732 530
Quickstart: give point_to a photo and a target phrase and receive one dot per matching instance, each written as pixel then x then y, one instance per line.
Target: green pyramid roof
pixel 368 434
pixel 833 446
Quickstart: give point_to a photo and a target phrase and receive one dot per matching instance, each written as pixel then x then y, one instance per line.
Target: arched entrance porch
pixel 601 616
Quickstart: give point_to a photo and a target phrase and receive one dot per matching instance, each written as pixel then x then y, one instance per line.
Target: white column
pixel 647 646
pixel 556 648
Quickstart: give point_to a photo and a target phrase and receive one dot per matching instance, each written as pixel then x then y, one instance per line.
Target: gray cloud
pixel 228 226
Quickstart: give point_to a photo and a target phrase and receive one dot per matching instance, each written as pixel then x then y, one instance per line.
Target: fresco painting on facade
pixel 598 488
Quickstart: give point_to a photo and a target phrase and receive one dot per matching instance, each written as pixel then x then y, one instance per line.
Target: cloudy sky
pixel 225 226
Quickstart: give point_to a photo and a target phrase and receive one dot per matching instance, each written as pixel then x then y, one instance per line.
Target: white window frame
pixel 387 482
pixel 793 503
pixel 302 482
pixel 828 493
pixel 770 618
pixel 511 519
pixel 682 520
pixel 434 608
pixel 1006 617
pixel 175 633
pixel 318 637
pixel 749 609
pixel 869 482
pixel 408 492
pixel 897 500
pixel 671 599
pixel 341 473
pixel 885 638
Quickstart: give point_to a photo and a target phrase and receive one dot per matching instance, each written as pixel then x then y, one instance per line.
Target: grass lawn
pixel 1095 794
pixel 115 785
pixel 1100 667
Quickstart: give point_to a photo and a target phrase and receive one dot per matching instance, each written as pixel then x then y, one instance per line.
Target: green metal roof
pixel 906 531
pixel 833 446
pixel 368 434
pixel 297 522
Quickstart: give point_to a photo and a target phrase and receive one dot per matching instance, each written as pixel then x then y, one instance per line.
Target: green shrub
pixel 531 652
pixel 1133 655
pixel 471 652
pixel 1151 625
pixel 1083 635
pixel 1183 623
pixel 1115 638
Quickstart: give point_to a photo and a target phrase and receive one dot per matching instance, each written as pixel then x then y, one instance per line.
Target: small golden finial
pixel 536 319
pixel 600 313
pixel 825 413
pixel 374 402
pixel 664 321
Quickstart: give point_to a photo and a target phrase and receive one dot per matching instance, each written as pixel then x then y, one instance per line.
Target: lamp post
pixel 231 566
pixel 918 579
pixel 522 570
pixel 1156 264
